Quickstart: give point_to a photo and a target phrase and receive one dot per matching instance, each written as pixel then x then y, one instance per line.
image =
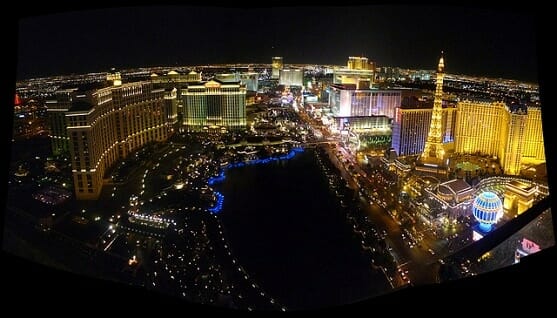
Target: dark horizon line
pixel 490 76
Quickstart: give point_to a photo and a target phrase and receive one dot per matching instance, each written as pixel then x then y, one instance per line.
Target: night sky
pixel 477 41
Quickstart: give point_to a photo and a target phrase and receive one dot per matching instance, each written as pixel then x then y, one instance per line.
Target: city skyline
pixel 279 159
pixel 478 41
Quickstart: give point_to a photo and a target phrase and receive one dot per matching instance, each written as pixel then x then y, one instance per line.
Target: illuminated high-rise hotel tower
pixel 276 67
pixel 360 71
pixel 214 105
pixel 512 134
pixel 103 125
pixel 433 150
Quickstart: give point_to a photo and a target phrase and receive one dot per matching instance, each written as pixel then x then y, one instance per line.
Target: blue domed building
pixel 487 209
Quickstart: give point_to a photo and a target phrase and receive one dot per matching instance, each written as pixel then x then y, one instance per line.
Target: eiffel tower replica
pixel 433 158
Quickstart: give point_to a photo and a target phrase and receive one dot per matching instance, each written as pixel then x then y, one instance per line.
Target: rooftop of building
pixel 226 78
pixel 220 81
pixel 522 185
pixel 455 186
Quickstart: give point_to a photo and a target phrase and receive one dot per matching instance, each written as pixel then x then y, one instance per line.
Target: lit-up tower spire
pixel 434 144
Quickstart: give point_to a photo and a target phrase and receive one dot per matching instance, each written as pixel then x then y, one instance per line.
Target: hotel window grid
pixel 514 136
pixel 98 135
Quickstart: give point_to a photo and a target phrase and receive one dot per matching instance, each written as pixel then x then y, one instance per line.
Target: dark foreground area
pixel 49 289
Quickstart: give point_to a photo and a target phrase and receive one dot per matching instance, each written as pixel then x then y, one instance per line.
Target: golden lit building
pixel 276 67
pixel 106 124
pixel 113 77
pixel 448 125
pixel 512 141
pixel 359 63
pixel 519 196
pixel 480 127
pixel 533 150
pixel 171 108
pixel 214 105
pixel 514 136
pixel 359 71
pixel 178 81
